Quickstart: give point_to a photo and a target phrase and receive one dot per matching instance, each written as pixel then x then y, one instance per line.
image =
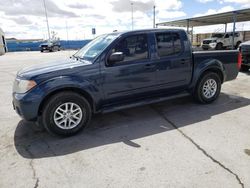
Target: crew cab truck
pixel 245 51
pixel 220 41
pixel 117 71
pixel 50 46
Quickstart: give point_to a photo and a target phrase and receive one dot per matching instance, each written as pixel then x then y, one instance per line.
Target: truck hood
pixel 214 38
pixel 246 43
pixel 44 68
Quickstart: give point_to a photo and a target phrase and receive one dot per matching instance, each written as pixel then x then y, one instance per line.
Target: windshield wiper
pixel 76 57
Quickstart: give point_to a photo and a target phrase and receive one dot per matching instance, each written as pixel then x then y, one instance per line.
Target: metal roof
pixel 1 32
pixel 221 18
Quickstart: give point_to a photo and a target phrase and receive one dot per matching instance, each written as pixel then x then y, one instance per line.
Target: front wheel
pixel 208 88
pixel 66 114
pixel 219 46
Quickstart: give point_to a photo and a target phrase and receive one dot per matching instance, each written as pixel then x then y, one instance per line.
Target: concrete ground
pixel 173 144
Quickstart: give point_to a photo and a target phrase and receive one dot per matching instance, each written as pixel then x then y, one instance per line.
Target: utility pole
pixel 132 16
pixel 154 17
pixel 45 9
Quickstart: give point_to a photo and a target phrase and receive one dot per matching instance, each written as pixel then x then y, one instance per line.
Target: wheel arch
pixel 83 93
pixel 199 76
pixel 214 70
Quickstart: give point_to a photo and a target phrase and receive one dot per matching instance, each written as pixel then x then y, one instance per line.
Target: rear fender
pixel 212 65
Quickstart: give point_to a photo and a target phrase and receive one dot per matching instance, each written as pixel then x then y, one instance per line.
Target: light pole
pixel 45 9
pixel 154 17
pixel 132 15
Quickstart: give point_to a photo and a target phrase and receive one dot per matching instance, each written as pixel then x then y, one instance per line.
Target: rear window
pixel 168 44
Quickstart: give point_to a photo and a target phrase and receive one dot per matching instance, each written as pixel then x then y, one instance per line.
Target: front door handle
pixel 183 61
pixel 149 66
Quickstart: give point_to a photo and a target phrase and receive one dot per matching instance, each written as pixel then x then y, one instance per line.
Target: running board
pixel 143 102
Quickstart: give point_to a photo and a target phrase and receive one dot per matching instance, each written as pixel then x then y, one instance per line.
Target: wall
pixel 14 46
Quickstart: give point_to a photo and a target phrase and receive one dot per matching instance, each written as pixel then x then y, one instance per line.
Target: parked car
pixel 220 41
pixel 117 71
pixel 50 46
pixel 245 50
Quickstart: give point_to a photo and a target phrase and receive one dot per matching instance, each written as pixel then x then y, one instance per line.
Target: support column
pixel 192 35
pixel 188 26
pixel 234 27
pixel 225 28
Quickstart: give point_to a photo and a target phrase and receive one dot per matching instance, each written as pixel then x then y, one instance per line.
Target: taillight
pixel 239 60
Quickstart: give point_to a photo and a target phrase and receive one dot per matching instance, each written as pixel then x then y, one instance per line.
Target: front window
pixel 218 35
pixel 90 51
pixel 134 48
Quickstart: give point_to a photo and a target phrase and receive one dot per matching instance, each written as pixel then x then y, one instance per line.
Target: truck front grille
pixel 206 41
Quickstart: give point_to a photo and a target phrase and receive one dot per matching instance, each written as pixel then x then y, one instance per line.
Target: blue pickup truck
pixel 117 71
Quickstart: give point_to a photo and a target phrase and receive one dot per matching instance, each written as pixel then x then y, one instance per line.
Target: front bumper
pixel 246 57
pixel 209 46
pixel 45 48
pixel 26 106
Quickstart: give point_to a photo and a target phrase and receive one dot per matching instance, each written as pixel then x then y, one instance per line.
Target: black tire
pixel 199 90
pixel 54 102
pixel 237 45
pixel 41 50
pixel 219 46
pixel 244 68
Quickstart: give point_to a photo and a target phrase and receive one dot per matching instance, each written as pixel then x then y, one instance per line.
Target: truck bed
pixel 227 58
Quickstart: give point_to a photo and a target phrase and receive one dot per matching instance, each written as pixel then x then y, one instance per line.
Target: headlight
pixel 22 86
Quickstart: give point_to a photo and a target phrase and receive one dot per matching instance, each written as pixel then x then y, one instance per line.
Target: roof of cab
pixel 149 31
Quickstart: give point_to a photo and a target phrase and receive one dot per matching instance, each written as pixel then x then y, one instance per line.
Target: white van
pixel 3 47
pixel 220 41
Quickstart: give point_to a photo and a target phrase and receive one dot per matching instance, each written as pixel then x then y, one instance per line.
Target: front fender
pixel 43 90
pixel 61 82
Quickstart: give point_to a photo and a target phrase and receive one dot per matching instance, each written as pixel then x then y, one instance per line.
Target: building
pixel 3 47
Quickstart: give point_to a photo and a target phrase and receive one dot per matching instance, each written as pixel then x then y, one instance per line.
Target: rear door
pixel 133 77
pixel 174 63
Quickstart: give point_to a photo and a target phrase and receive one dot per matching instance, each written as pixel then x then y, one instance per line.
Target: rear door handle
pixel 149 66
pixel 183 61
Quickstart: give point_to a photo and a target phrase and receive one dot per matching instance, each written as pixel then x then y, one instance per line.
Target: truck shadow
pixel 123 126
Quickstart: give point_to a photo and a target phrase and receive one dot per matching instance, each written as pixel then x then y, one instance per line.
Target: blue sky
pixel 25 18
pixel 195 7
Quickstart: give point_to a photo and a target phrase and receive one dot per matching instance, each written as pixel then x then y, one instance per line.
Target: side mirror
pixel 115 57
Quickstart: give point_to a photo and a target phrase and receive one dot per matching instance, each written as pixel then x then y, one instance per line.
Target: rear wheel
pixel 237 45
pixel 208 88
pixel 66 114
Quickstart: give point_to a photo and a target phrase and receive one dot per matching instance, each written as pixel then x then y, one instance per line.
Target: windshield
pixel 90 51
pixel 217 35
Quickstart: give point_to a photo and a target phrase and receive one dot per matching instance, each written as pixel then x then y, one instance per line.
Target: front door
pixel 133 77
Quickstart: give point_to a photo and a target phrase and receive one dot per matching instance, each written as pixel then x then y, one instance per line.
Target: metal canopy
pixel 222 18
